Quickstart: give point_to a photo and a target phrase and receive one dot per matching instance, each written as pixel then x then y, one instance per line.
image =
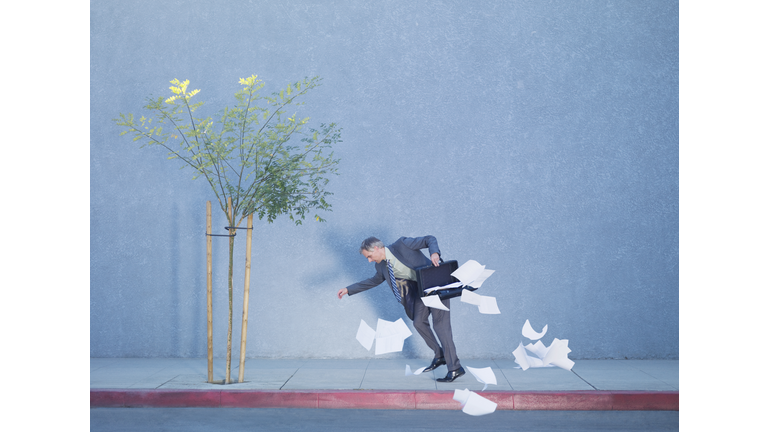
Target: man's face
pixel 377 254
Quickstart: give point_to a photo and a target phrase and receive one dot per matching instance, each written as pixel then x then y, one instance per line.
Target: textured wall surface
pixel 539 138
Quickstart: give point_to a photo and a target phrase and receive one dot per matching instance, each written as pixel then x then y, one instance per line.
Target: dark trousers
pixel 441 320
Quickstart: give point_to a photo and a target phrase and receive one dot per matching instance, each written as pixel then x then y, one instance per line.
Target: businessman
pixel 395 265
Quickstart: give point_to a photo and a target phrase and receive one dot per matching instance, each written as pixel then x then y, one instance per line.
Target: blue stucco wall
pixel 539 138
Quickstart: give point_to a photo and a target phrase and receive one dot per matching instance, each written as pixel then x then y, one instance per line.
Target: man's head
pixel 373 249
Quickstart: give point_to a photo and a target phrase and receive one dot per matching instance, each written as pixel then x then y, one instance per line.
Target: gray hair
pixel 370 243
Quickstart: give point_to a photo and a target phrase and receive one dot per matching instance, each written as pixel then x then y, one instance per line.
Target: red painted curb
pixel 646 401
pixel 567 401
pixel 403 400
pixel 268 399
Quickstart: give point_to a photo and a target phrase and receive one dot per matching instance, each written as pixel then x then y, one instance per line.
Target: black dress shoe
pixel 452 375
pixel 436 363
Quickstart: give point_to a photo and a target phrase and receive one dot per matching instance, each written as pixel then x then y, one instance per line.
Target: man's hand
pixel 435 259
pixel 342 292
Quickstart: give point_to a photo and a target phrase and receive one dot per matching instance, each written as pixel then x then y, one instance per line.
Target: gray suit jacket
pixel 408 251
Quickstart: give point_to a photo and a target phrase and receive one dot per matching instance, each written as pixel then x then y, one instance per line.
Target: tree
pixel 249 154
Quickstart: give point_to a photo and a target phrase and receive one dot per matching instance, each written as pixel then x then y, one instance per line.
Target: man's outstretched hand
pixel 342 292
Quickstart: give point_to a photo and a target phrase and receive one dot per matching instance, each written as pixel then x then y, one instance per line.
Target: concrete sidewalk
pixel 380 383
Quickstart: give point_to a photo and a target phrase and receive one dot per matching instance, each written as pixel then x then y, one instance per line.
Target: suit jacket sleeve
pixel 417 243
pixel 369 283
pixel 408 250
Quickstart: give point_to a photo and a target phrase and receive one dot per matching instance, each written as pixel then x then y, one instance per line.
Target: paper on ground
pixel 483 375
pixel 472 403
pixel 530 333
pixel 556 354
pixel 485 304
pixel 433 301
pixel 538 348
pixel 365 335
pixel 416 372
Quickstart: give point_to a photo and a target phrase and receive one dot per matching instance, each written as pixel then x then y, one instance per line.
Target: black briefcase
pixel 430 276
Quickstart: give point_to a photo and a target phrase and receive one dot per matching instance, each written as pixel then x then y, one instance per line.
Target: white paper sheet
pixel 483 375
pixel 433 301
pixel 389 344
pixel 472 298
pixel 453 285
pixel 478 282
pixel 390 336
pixel 388 328
pixel 416 372
pixel 461 396
pixel 365 335
pixel 485 304
pixel 557 354
pixel 402 328
pixel 538 348
pixel 530 333
pixel 489 306
pixel 468 272
pixel 521 357
pixel 472 403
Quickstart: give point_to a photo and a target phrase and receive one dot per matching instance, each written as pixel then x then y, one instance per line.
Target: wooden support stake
pixel 210 289
pixel 227 379
pixel 244 330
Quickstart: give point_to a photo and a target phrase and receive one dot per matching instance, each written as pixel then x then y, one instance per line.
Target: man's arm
pixel 363 285
pixel 426 242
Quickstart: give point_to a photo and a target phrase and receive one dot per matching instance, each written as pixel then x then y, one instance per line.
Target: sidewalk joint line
pixel 158 387
pixel 364 372
pixel 503 374
pixel 574 372
pixel 289 378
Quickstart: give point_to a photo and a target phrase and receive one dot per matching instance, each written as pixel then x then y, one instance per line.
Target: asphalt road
pixel 285 419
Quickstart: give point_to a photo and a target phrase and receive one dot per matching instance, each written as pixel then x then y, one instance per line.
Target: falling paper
pixel 488 306
pixel 530 333
pixel 389 344
pixel 484 375
pixel 478 282
pixel 416 372
pixel 471 273
pixel 468 272
pixel 433 301
pixel 390 336
pixel 485 304
pixel 388 328
pixel 365 335
pixel 472 403
pixel 461 396
pixel 471 298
